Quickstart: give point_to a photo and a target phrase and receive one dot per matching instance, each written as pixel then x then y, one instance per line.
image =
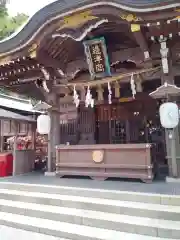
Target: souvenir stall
pixel 26 143
pixel 18 140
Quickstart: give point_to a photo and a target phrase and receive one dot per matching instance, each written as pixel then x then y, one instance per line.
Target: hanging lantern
pixel 169 115
pixel 43 124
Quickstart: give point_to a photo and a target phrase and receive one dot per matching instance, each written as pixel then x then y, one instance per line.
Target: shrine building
pixel 103 67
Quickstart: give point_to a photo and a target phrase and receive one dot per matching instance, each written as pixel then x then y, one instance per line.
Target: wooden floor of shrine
pixel 156 187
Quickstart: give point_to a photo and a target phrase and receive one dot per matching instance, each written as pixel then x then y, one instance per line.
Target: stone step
pixel 8 233
pixel 98 193
pixel 89 210
pixel 63 204
pixel 154 227
pixel 67 230
pixel 94 212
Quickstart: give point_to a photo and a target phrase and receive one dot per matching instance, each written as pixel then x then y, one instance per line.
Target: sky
pixel 27 7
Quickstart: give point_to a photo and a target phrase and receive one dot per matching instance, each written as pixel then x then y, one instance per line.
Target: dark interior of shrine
pixel 125 121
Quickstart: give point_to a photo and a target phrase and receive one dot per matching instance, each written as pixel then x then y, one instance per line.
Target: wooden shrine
pixel 95 64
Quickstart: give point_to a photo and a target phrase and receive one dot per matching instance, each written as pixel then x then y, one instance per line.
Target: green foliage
pixel 3 12
pixel 9 25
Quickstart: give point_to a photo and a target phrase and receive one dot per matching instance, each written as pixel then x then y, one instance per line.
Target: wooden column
pixel 173 143
pixel 1 136
pixel 54 135
pixel 173 152
pixel 50 148
pixel 15 147
pixel 33 134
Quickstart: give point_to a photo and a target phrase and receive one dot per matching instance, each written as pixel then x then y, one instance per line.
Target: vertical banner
pixel 97 58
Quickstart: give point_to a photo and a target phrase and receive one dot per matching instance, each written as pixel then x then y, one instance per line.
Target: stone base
pixel 172 180
pixel 50 174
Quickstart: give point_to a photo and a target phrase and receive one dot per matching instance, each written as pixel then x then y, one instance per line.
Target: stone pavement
pixel 7 233
pixel 156 187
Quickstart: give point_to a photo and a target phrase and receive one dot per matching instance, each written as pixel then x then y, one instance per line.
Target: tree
pixel 8 25
pixel 3 8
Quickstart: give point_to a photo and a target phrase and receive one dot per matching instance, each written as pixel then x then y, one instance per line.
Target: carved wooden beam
pixel 140 39
pixel 165 29
pixel 133 54
pixel 47 61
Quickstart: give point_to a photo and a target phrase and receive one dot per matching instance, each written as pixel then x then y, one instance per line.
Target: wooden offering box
pixel 104 161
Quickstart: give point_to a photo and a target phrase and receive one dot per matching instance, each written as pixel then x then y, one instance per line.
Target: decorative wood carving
pixel 5 60
pixel 68 56
pixel 130 17
pixel 45 59
pixel 76 20
pixel 79 35
pixel 33 50
pixel 135 28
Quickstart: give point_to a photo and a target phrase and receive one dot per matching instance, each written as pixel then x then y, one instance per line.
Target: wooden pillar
pixel 53 139
pixel 172 142
pixel 15 147
pixel 173 152
pixel 54 135
pixel 1 136
pixel 33 134
pixel 50 150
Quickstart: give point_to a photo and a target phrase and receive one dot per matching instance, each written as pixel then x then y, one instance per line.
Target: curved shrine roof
pixel 63 8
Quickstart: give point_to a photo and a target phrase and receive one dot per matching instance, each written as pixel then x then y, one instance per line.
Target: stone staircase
pixel 89 214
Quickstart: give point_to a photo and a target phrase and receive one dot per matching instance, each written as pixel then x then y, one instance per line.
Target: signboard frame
pixel 99 66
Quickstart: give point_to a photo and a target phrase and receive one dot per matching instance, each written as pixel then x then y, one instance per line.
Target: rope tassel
pixel 133 86
pixel 89 101
pixel 110 93
pixel 76 97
